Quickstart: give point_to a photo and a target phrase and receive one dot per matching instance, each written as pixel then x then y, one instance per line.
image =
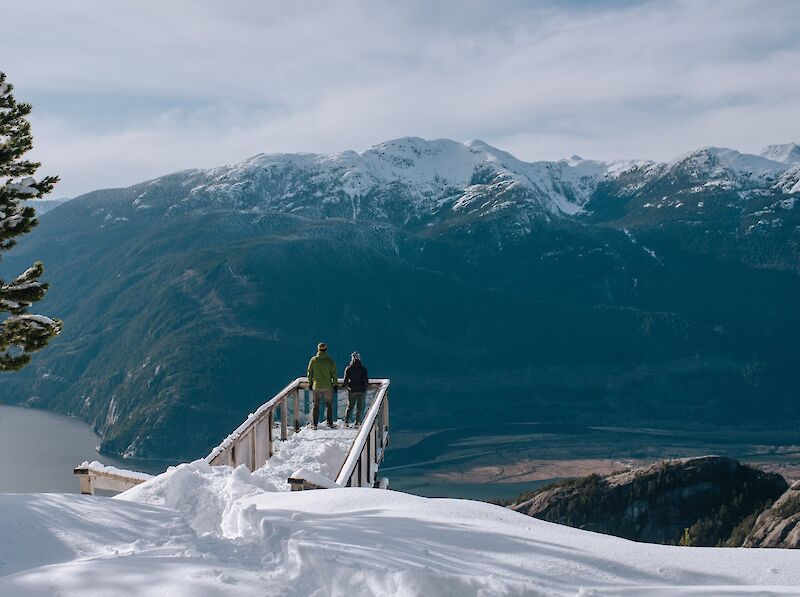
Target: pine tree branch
pixel 21 333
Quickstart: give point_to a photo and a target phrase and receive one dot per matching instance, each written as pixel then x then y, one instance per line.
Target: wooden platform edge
pixel 91 480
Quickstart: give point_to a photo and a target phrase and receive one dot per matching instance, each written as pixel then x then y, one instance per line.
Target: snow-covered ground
pixel 202 531
pixel 320 451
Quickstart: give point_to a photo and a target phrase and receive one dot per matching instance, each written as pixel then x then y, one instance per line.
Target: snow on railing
pixel 251 443
pixel 94 475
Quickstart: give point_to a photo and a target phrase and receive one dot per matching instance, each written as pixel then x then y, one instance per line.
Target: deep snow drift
pixel 202 531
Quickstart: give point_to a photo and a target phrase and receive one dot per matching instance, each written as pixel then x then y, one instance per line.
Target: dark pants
pixel 319 396
pixel 355 398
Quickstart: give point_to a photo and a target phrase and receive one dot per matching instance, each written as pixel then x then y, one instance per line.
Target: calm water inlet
pixel 41 448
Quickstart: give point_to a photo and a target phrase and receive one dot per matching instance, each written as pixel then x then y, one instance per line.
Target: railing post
pixel 297 410
pixel 284 419
pixel 85 480
pixel 375 447
pixel 370 439
pixel 383 426
pixel 270 423
pixel 385 417
pixel 253 465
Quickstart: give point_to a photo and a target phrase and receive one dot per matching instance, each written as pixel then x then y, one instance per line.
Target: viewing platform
pixel 282 427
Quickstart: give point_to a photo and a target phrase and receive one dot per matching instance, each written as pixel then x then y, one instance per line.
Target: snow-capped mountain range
pixel 409 176
pixel 411 180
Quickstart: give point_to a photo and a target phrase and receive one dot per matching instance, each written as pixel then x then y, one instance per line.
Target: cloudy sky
pixel 128 90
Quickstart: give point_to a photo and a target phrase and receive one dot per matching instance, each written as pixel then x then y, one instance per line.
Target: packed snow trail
pixel 198 530
pixel 321 450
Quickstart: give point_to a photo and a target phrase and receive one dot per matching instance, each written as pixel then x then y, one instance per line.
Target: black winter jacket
pixel 355 377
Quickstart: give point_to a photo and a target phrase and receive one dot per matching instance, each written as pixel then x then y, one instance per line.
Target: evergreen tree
pixel 21 333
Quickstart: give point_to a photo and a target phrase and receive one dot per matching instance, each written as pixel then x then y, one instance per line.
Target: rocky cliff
pixel 715 497
pixel 779 525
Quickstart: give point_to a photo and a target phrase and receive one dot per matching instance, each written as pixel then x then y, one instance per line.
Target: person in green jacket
pixel 322 379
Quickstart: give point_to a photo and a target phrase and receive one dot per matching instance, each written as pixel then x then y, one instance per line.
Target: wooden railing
pixel 360 468
pixel 251 443
pixel 93 476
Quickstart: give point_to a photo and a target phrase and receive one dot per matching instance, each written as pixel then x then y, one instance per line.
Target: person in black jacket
pixel 355 380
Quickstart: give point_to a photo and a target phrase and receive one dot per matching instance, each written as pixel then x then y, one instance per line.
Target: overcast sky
pixel 124 91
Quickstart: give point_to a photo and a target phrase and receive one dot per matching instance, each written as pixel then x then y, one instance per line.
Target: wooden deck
pixel 252 443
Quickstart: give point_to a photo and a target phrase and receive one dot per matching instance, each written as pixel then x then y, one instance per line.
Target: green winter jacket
pixel 322 373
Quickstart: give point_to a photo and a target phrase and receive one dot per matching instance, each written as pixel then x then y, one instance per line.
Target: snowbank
pixel 208 495
pixel 203 531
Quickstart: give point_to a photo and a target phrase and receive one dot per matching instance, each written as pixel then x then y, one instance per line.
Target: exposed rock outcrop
pixel 711 496
pixel 778 526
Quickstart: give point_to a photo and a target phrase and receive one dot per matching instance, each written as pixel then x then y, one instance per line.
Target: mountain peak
pixel 481 145
pixel 410 143
pixel 714 161
pixel 788 153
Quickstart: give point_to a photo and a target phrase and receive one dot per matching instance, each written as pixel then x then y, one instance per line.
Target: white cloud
pixel 128 90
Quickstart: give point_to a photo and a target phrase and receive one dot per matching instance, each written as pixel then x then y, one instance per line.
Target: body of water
pixel 416 482
pixel 40 449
